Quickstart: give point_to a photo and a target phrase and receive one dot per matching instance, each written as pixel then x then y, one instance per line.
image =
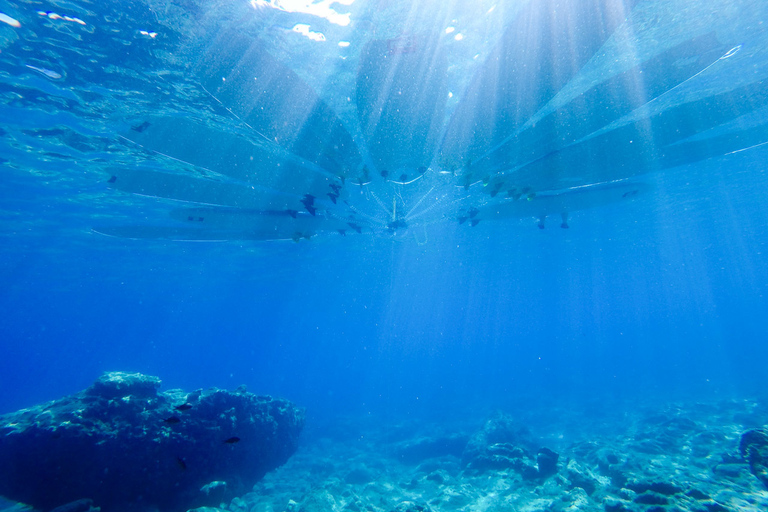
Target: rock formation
pixel 754 449
pixel 125 446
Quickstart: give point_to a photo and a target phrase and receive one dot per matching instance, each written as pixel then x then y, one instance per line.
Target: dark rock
pixel 439 477
pixel 618 477
pixel 500 429
pixel 731 458
pixel 697 494
pixel 605 458
pixel 733 471
pixel 504 456
pixel 651 498
pixel 529 472
pixel 714 506
pixel 416 451
pixel 612 466
pixel 498 445
pixel 113 444
pixel 614 505
pixel 754 449
pixel 547 462
pixel 665 488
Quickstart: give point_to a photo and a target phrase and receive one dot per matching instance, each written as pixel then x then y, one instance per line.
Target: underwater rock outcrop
pixel 754 449
pixel 504 444
pixel 417 450
pixel 124 445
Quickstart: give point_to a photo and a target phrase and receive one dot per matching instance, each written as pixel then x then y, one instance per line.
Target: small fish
pixel 45 72
pixel 112 179
pixel 181 463
pixel 422 170
pixel 232 440
pixel 292 213
pixel 309 202
pixel 333 197
pixel 140 128
pixel 183 407
pixel 403 177
pixel 384 173
pixel 172 420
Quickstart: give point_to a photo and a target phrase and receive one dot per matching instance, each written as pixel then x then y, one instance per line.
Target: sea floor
pixel 681 456
pixel 654 458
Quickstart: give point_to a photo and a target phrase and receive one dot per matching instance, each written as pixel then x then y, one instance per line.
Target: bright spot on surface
pixel 150 34
pixel 321 8
pixel 303 29
pixel 52 15
pixel 450 94
pixel 493 7
pixel 459 37
pixel 10 21
pixel 344 44
pixel 448 30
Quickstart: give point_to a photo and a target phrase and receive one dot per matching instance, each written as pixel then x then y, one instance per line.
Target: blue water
pixel 657 297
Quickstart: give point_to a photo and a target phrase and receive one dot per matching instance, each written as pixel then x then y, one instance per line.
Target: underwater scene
pixel 384 255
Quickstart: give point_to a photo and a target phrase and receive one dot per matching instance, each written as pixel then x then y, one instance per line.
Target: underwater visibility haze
pixel 390 211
